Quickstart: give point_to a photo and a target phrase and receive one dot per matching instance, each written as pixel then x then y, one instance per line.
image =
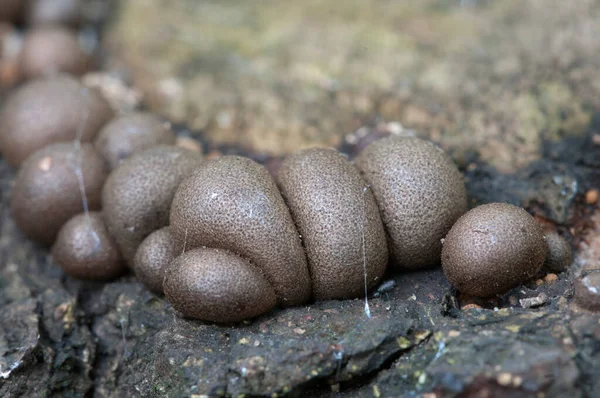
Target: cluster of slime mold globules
pixel 223 239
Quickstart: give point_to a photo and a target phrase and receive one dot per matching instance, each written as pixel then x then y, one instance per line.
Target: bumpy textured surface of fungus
pixel 559 254
pixel 49 50
pixel 587 291
pixel 46 193
pixel 53 12
pixel 131 133
pixel 420 194
pixel 334 213
pixel 137 195
pixel 493 248
pixel 232 203
pixel 85 250
pixel 152 258
pixel 46 111
pixel 217 286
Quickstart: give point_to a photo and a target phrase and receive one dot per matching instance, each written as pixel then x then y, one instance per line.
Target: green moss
pixel 495 77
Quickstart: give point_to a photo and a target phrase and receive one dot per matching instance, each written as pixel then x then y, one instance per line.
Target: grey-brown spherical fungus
pixel 217 286
pixel 53 12
pixel 420 194
pixel 137 196
pixel 334 213
pixel 85 250
pixel 50 50
pixel 232 203
pixel 131 133
pixel 46 111
pixel 493 248
pixel 152 258
pixel 559 254
pixel 587 291
pixel 46 193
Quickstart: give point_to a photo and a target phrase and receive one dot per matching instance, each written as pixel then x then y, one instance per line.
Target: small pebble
pixel 385 287
pixel 504 379
pixel 189 143
pixel 213 154
pixel 591 197
pixel 531 302
pixel 550 278
pixel 587 291
pixel 121 96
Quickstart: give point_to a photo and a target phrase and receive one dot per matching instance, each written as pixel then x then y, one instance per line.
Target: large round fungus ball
pixel 152 258
pixel 559 254
pixel 232 203
pixel 85 250
pixel 217 286
pixel 50 50
pixel 493 248
pixel 335 215
pixel 420 194
pixel 131 133
pixel 47 192
pixel 46 111
pixel 137 196
pixel 53 12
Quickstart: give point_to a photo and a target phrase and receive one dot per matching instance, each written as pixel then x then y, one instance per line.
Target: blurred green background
pixel 491 77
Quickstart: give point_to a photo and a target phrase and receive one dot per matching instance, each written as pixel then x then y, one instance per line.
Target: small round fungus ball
pixel 136 198
pixel 49 110
pixel 420 194
pixel 587 291
pixel 53 12
pixel 335 215
pixel 47 194
pixel 131 133
pixel 85 250
pixel 152 258
pixel 217 286
pixel 558 255
pixel 232 203
pixel 50 50
pixel 493 248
